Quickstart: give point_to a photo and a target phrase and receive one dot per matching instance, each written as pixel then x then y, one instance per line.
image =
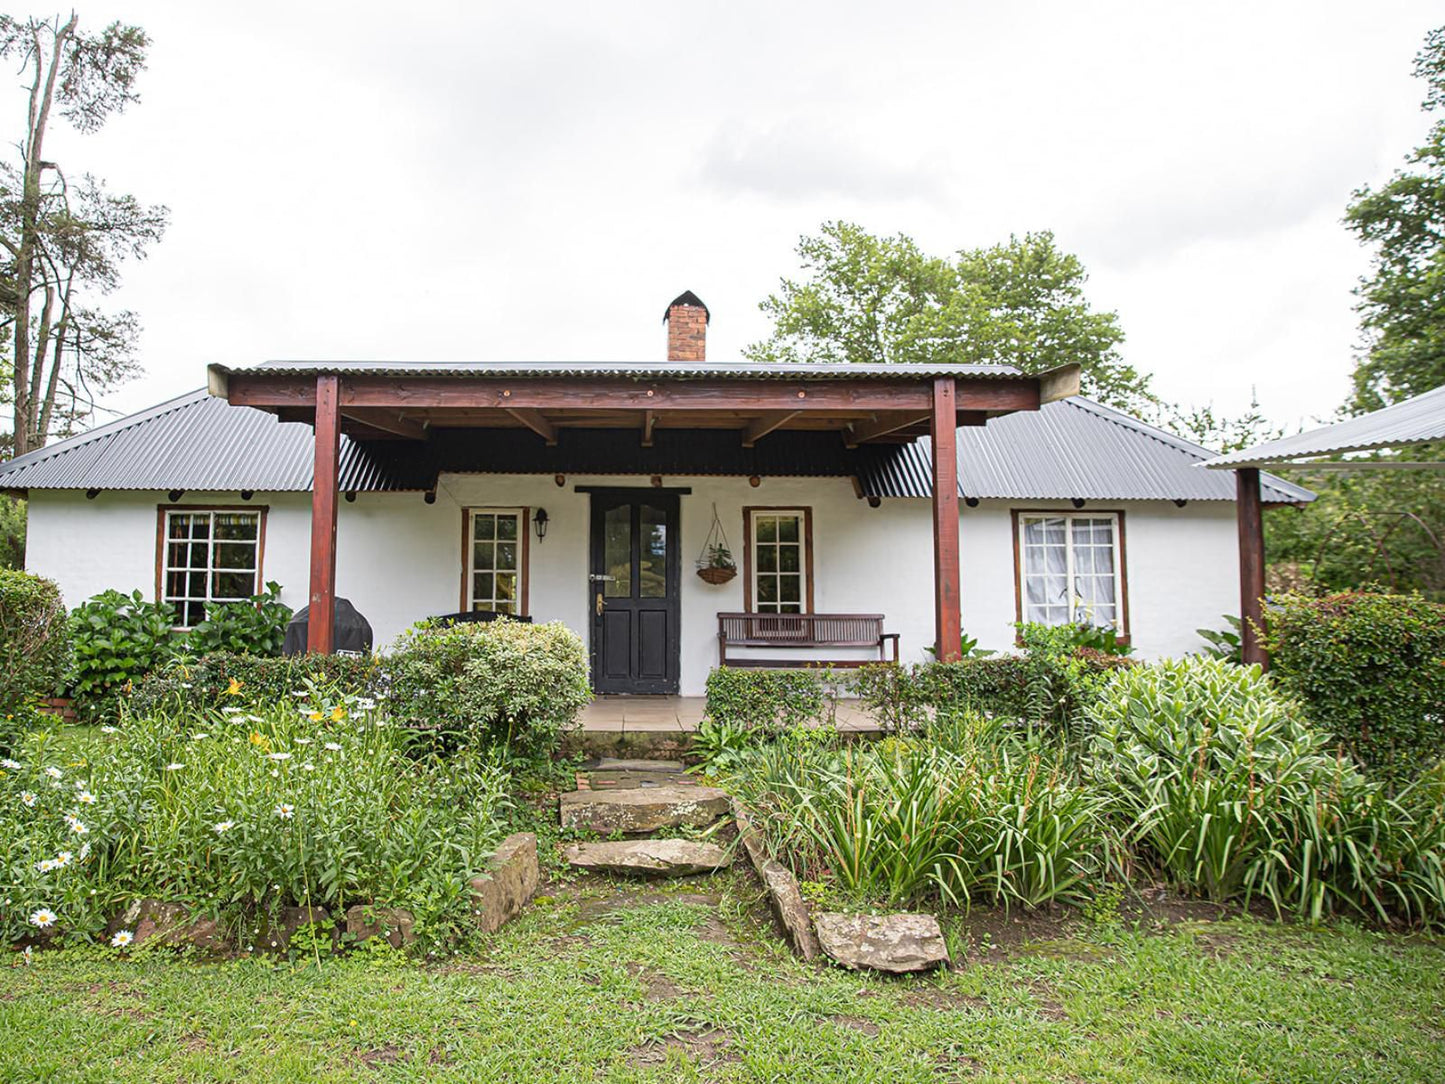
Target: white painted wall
pixel 399 559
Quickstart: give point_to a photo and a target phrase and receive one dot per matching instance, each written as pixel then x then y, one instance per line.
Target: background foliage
pixel 34 648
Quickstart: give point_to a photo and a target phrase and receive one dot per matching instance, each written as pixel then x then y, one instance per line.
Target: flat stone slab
pixel 510 882
pixel 642 810
pixel 599 780
pixel 648 857
pixel 784 896
pixel 895 943
pixel 618 764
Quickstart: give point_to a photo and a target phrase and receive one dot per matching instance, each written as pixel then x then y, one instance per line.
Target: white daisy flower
pixel 366 703
pixel 308 767
pixel 78 828
pixel 278 756
pixel 10 765
pixel 85 798
pixel 285 811
pixel 234 710
pixel 332 747
pixel 54 772
pixel 300 694
pixel 174 767
pixel 27 797
pixel 45 865
pixel 84 854
pixel 110 730
pixel 70 819
pixel 185 685
pixel 304 741
pixel 121 939
pixel 222 827
pixel 63 859
pixel 44 918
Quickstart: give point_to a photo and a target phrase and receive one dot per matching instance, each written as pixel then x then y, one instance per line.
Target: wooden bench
pixel 803 631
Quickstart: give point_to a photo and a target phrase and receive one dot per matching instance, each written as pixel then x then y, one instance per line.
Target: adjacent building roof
pixel 1073 448
pixel 671 370
pixel 1420 420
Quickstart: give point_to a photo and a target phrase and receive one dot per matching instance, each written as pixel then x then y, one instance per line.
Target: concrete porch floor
pixel 681 715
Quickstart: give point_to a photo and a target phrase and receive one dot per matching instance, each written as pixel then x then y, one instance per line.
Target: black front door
pixel 633 591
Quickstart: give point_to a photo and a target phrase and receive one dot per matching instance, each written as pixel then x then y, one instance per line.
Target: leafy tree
pixel 1220 432
pixel 882 299
pixel 1402 301
pixel 67 239
pixel 12 532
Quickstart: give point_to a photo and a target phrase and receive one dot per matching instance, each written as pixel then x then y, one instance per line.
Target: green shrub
pixel 1370 669
pixel 501 683
pixel 769 701
pixel 981 816
pixel 256 811
pixel 118 639
pixel 1222 786
pixel 254 627
pixel 224 680
pixel 34 648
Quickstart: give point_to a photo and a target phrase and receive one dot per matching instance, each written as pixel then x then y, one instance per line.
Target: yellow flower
pixel 315 717
pixel 259 740
pixel 234 689
pixel 338 713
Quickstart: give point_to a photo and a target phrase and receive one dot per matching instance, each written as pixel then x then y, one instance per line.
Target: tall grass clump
pixel 311 803
pixel 984 815
pixel 1220 785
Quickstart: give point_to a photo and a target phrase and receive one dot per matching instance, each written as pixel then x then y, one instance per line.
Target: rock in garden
pixel 510 882
pixel 364 922
pixel 276 937
pixel 649 857
pixel 784 896
pixel 641 810
pixel 893 943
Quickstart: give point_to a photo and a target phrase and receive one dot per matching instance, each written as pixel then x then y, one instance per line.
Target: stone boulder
pixel 784 896
pixel 895 943
pixel 642 810
pixel 364 922
pixel 276 936
pixel 510 882
pixel 167 923
pixel 648 857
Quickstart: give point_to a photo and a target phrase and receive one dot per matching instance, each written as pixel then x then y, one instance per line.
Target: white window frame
pixel 164 567
pixel 520 602
pixel 1121 594
pixel 805 558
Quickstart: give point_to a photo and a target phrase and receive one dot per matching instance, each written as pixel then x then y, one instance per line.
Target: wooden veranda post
pixel 1251 564
pixel 321 619
pixel 947 623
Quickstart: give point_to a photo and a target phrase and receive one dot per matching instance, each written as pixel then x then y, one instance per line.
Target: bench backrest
pixel 801 630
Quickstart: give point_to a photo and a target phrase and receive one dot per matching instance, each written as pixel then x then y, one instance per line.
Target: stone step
pixel 641 810
pixel 617 764
pixel 648 857
pixel 599 780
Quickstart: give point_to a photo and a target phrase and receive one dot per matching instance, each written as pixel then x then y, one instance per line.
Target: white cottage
pixel 868 509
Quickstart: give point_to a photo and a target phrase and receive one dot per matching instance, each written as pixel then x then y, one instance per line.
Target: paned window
pixel 494 576
pixel 209 556
pixel 780 572
pixel 1070 569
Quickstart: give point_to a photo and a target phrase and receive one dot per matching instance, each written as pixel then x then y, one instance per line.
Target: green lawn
pixel 640 984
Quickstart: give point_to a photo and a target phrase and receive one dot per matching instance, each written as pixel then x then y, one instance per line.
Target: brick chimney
pixel 686 319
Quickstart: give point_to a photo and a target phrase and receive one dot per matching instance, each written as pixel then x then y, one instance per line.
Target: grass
pixel 662 984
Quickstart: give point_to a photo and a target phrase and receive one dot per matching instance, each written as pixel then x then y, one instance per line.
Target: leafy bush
pixel 1222 786
pixel 255 627
pixel 1226 643
pixel 982 815
pixel 118 639
pixel 501 683
pixel 1370 669
pixel 768 701
pixel 259 810
pixel 34 647
pixel 224 680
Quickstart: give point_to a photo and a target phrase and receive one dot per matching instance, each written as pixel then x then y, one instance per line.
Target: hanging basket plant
pixel 715 564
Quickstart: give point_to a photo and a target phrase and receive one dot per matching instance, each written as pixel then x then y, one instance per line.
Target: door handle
pixel 598 577
pixel 599 603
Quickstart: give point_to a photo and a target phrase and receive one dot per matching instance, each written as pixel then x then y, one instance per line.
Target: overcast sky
pixel 487 180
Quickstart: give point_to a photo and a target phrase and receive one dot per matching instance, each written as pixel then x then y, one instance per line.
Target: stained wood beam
pixel 413 394
pixel 948 623
pixel 321 615
pixel 649 422
pixel 1250 517
pixel 758 428
pixel 881 426
pixel 387 422
pixel 535 421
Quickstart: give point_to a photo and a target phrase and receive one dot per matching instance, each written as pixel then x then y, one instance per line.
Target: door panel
pixel 633 591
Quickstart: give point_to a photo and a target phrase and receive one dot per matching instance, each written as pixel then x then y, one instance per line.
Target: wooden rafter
pixel 882 425
pixel 761 427
pixel 649 422
pixel 387 422
pixel 535 421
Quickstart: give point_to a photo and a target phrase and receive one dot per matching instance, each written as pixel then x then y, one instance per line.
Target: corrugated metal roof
pixel 671 370
pixel 1420 420
pixel 1072 448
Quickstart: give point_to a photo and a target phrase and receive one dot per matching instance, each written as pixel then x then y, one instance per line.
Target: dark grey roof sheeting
pixel 1420 420
pixel 201 443
pixel 1072 448
pixel 672 370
